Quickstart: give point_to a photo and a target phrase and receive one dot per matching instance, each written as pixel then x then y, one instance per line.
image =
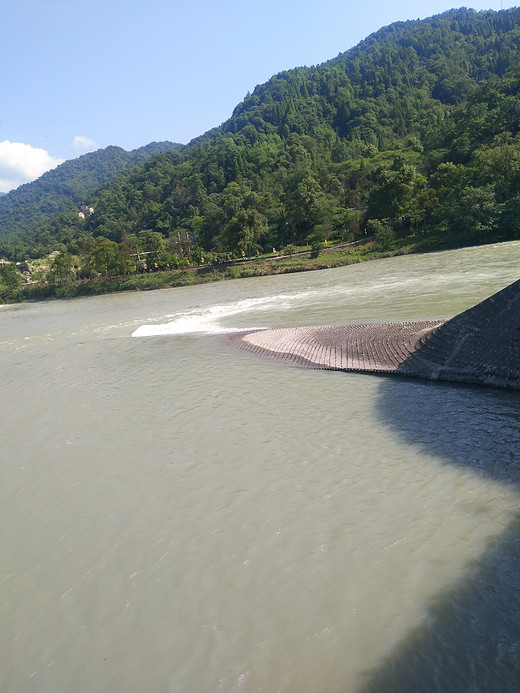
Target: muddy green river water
pixel 180 517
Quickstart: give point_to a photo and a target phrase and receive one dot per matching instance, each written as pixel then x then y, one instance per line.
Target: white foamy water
pixel 180 517
pixel 210 319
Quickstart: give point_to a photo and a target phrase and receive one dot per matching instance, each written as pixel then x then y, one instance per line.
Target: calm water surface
pixel 180 517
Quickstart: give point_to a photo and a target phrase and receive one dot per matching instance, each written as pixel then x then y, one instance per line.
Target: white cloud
pixel 84 142
pixel 21 163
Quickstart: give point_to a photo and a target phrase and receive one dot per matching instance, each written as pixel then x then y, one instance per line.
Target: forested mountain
pixel 69 185
pixel 411 135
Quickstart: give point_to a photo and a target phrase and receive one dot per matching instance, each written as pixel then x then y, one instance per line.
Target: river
pixel 178 516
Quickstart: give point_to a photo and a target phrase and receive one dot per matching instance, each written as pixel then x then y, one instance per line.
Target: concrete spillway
pixel 479 346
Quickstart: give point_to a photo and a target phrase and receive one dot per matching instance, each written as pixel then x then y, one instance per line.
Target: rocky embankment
pixel 479 346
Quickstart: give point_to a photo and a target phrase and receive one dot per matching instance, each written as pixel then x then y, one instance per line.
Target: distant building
pixel 84 210
pixel 23 268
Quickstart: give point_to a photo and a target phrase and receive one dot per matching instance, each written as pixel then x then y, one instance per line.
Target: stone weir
pixel 479 346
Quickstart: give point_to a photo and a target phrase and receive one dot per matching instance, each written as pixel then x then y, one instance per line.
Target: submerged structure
pixel 480 346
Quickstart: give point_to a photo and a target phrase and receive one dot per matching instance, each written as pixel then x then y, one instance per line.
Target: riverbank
pixel 336 256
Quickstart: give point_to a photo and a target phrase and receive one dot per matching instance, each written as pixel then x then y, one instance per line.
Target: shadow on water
pixel 470 640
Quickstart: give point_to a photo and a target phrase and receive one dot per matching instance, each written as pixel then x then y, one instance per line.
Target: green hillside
pixel 68 186
pixel 411 136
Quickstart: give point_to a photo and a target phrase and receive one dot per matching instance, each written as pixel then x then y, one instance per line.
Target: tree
pixel 477 214
pixel 382 231
pixel 10 277
pixel 251 226
pixel 393 192
pixel 63 269
pixel 158 255
pixel 304 204
pixel 107 258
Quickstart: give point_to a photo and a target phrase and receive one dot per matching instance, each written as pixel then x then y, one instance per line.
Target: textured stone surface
pixel 479 346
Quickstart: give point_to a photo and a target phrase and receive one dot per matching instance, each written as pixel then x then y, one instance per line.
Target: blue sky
pixel 78 75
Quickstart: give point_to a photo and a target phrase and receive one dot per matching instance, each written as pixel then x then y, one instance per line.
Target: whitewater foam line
pixel 209 319
pixel 167 329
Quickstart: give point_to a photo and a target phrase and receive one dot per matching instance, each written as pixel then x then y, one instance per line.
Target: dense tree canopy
pixel 70 185
pixel 414 133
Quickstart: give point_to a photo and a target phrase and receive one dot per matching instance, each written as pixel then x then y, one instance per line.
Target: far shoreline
pixel 342 255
